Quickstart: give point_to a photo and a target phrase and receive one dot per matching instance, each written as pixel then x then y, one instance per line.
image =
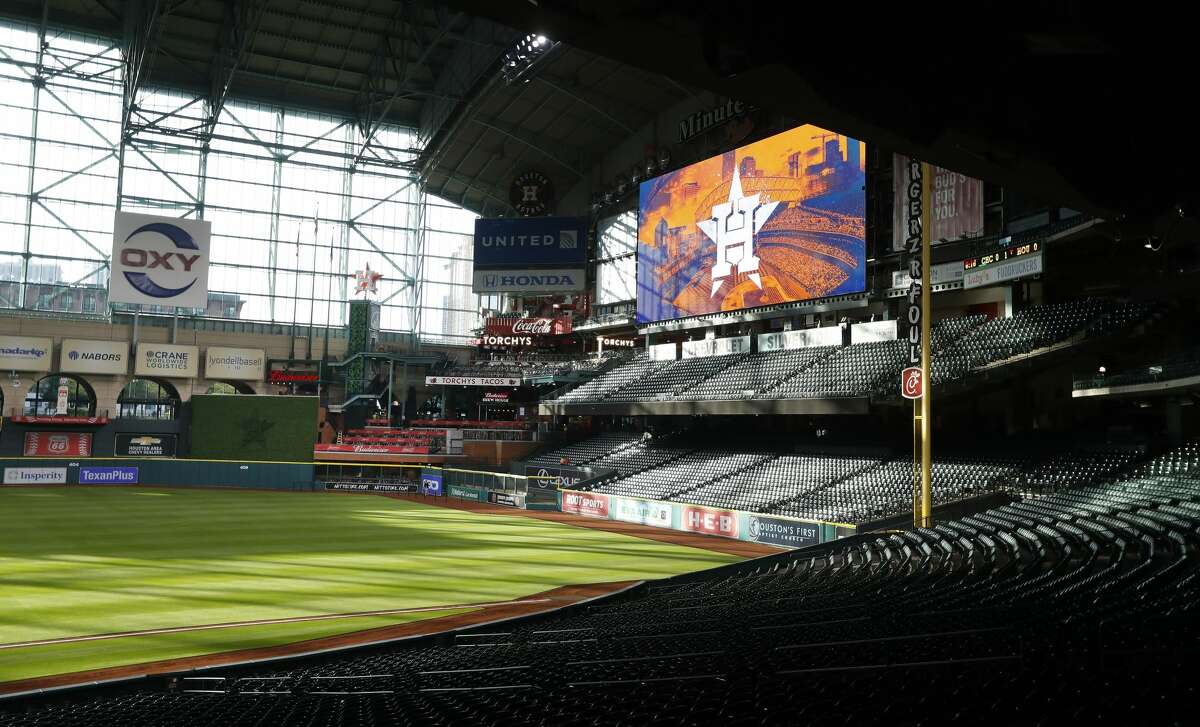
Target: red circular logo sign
pixel 910 383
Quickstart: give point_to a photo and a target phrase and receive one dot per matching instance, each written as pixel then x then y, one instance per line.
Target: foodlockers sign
pixel 94 357
pixel 161 359
pixel 145 445
pixel 58 444
pixel 23 353
pixel 240 364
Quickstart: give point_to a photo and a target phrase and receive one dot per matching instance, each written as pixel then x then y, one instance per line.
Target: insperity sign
pixel 160 261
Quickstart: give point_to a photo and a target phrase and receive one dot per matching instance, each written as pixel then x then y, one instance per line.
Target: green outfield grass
pixel 83 561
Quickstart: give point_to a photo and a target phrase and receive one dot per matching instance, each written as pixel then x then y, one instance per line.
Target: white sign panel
pixel 22 353
pixel 940 274
pixel 641 512
pixel 731 345
pixel 64 393
pixel 562 280
pixel 162 359
pixel 160 261
pixel 664 352
pixel 1007 270
pixel 94 357
pixel 696 349
pixel 470 381
pixel 242 364
pixel 35 475
pixel 874 331
pixel 802 338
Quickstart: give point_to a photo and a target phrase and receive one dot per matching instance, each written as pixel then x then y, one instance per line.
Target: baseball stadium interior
pixel 446 362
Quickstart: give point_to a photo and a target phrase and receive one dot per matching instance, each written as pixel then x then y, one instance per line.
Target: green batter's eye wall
pixel 277 428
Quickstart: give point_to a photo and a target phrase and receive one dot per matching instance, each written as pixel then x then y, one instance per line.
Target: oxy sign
pixel 160 261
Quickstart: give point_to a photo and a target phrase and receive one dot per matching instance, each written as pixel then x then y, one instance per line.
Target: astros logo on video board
pixel 775 221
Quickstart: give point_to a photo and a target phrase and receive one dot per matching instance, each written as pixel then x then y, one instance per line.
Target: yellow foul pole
pixel 926 380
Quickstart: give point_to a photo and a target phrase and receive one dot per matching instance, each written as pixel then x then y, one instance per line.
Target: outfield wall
pixel 784 532
pixel 99 471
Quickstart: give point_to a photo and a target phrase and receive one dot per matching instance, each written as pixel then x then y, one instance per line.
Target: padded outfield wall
pixel 275 428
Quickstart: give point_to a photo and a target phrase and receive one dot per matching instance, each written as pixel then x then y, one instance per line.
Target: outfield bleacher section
pixel 871 369
pixel 831 485
pixel 1076 608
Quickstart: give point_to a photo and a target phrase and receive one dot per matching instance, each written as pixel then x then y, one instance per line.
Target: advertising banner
pixel 800 338
pixel 64 393
pixel 518 242
pixel 58 444
pixel 431 482
pixel 641 512
pixel 159 261
pixel 399 487
pixel 59 421
pixel 94 357
pixel 710 522
pixel 1000 272
pixel 35 475
pixel 108 475
pixel 23 353
pixel 144 445
pixel 874 331
pixel 587 504
pixel 562 477
pixel 167 361
pixel 290 376
pixel 241 364
pixel 463 492
pixel 779 220
pixel 956 201
pixel 778 531
pixel 664 352
pixel 529 280
pixel 507 499
pixel 370 449
pixel 471 381
pixel 939 274
pixel 528 326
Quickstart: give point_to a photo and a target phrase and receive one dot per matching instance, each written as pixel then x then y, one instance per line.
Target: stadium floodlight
pixel 519 61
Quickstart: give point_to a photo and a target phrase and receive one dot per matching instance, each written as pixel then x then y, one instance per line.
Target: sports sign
pixel 800 338
pixel 587 504
pixel 780 220
pixel 159 261
pixel 641 512
pixel 108 475
pixel 513 242
pixel 144 445
pixel 505 498
pixel 529 280
pixel 709 522
pixel 999 272
pixel 58 444
pixel 399 487
pixel 779 531
pixel 913 243
pixel 528 326
pixel 910 383
pixel 166 360
pixel 956 204
pixel 22 353
pixel 551 477
pixel 94 357
pixel 471 381
pixel 291 376
pixel 531 193
pixel 431 482
pixel 242 364
pixel 35 475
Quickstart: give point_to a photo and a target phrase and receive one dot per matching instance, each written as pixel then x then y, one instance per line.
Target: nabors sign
pixel 94 357
pixel 160 261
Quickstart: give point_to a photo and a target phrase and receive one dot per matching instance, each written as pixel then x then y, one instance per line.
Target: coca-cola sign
pixel 556 326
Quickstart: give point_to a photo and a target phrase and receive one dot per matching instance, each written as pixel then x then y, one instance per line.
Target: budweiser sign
pixel 528 326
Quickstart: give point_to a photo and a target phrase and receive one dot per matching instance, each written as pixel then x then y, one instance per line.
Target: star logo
pixel 733 225
pixel 367 281
pixel 254 430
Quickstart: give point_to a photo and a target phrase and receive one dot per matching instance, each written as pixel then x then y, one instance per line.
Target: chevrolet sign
pixel 529 281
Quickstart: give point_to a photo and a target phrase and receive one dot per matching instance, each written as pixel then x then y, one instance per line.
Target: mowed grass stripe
pixel 37 661
pixel 79 561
